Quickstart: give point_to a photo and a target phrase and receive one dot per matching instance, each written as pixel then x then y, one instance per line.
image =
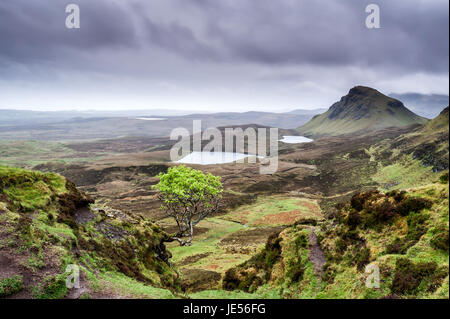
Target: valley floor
pixel 312 178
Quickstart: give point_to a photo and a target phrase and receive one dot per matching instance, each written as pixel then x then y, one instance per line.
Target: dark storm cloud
pixel 33 31
pixel 414 34
pixel 203 52
pixel 180 39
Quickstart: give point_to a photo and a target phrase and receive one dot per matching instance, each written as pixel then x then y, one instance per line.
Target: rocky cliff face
pixel 362 102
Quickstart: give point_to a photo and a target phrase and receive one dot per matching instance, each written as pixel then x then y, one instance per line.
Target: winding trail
pixel 316 255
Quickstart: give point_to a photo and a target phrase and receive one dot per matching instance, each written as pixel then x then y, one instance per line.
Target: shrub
pixel 440 239
pixel 408 276
pixel 417 226
pixel 378 212
pixel 306 221
pixel 329 272
pixel 230 280
pixel 358 200
pixel 272 250
pixel 250 283
pixel 341 246
pixel 444 178
pixel 271 257
pixel 351 236
pixel 397 246
pixel 413 205
pixel 236 279
pixel 437 278
pixel 353 219
pixel 362 258
pixel 52 288
pixel 295 270
pixel 301 241
pixel 397 195
pixel 371 209
pixel 10 286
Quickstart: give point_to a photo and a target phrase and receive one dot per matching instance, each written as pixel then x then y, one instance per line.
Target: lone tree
pixel 188 195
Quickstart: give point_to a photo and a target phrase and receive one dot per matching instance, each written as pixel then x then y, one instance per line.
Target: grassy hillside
pixel 405 235
pixel 412 159
pixel 231 238
pixel 363 109
pixel 402 230
pixel 46 224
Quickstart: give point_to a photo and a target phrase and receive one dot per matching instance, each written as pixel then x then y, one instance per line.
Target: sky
pixel 217 55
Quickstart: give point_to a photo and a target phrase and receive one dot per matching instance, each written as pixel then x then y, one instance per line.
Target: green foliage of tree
pixel 188 195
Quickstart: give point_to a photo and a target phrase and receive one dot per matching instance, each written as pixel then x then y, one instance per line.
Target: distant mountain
pixel 17 117
pixel 427 105
pixel 363 109
pixel 10 116
pixel 307 112
pixel 281 120
pixel 26 125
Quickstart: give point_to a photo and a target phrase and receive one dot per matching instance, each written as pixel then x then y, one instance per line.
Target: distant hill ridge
pixel 362 109
pixel 427 105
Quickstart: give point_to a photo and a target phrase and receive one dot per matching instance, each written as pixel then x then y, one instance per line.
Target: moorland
pixel 371 188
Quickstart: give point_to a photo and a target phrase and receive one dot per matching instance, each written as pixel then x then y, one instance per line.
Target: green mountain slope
pixel 363 109
pixel 439 124
pixel 46 224
pixel 413 158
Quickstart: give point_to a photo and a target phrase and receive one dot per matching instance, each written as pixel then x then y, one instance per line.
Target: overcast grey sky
pixel 217 55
